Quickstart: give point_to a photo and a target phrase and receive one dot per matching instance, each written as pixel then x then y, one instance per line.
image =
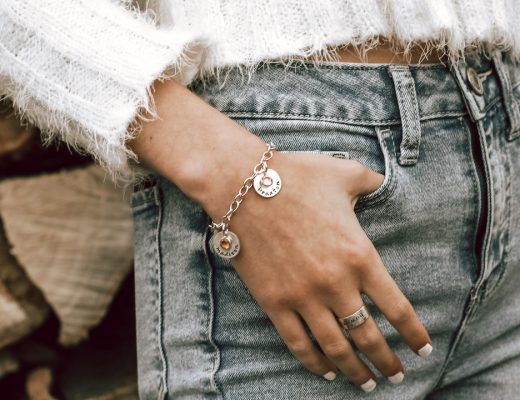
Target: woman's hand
pixel 306 259
pixel 304 256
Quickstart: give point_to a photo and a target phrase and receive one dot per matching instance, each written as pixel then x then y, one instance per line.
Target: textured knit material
pixel 82 69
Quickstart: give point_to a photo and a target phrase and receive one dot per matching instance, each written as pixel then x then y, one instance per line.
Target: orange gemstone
pixel 225 243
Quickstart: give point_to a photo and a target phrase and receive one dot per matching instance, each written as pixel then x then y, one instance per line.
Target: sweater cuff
pixel 83 72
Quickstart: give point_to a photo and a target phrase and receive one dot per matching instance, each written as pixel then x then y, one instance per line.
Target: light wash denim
pixel 446 222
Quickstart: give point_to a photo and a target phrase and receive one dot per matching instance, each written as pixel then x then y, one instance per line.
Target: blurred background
pixel 67 324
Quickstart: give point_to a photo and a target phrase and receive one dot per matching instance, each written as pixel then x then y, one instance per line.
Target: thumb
pixel 371 181
pixel 364 181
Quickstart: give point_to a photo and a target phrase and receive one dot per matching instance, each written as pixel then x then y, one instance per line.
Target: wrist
pixel 213 179
pixel 201 150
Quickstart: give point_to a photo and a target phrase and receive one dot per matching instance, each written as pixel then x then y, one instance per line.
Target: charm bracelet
pixel 267 183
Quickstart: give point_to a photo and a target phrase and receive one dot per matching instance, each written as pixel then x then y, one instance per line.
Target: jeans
pixel 445 221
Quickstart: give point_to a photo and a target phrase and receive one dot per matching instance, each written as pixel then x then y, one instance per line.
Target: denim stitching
pixel 489 291
pixel 446 114
pixel 211 318
pixel 309 116
pixel 512 106
pixel 325 118
pixel 492 104
pixel 470 308
pixel 142 199
pixel 471 301
pixel 162 392
pixel 383 192
pixel 405 92
pixel 353 66
pixel 474 178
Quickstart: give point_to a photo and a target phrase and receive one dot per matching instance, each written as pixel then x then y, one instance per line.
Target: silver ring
pixel 353 321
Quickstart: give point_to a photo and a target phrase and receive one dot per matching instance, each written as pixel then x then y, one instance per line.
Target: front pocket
pixel 372 146
pixel 381 163
pixel 385 190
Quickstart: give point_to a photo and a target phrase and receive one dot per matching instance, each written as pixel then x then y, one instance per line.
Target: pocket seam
pixel 144 198
pixel 152 198
pixel 387 188
pixel 345 154
pixel 212 271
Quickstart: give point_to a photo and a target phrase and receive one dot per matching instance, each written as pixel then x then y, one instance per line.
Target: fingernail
pixel 425 350
pixel 369 385
pixel 330 376
pixel 397 378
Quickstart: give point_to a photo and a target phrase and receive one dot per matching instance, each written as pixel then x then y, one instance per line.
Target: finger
pixel 291 329
pixel 372 181
pixel 384 292
pixel 337 348
pixel 370 340
pixel 366 179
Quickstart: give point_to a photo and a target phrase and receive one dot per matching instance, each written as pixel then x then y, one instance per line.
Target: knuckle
pixel 336 349
pixel 274 300
pixel 295 300
pixel 368 341
pixel 359 254
pixel 357 169
pixel 298 347
pixel 403 312
pixel 362 174
pixel 329 279
pixel 298 302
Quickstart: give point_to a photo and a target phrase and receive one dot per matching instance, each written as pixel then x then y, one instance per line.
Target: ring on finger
pixel 354 320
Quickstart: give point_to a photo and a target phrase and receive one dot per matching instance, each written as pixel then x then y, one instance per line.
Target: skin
pixel 312 278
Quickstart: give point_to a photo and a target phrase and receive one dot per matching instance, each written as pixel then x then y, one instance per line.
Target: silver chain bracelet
pixel 267 183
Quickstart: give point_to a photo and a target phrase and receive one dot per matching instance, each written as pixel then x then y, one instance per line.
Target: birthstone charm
pixel 268 183
pixel 225 245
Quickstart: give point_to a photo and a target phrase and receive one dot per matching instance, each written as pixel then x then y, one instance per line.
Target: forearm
pixel 85 72
pixel 205 153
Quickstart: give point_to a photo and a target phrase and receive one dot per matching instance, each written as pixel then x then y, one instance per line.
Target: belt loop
pixel 511 104
pixel 409 112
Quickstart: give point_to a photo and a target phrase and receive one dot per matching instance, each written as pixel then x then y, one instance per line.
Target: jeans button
pixel 474 81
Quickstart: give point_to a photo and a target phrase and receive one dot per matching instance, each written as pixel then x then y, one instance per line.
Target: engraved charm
pixel 225 245
pixel 268 184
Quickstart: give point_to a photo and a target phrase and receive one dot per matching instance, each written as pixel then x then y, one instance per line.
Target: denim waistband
pixel 364 94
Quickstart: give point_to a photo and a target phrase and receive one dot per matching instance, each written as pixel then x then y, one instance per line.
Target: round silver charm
pixel 225 245
pixel 267 184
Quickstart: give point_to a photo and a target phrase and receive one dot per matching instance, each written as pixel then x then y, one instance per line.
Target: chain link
pixel 258 169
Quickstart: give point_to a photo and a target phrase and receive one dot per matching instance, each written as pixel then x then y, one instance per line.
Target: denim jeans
pixel 446 222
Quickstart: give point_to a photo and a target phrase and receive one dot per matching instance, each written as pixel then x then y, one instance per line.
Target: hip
pixel 445 222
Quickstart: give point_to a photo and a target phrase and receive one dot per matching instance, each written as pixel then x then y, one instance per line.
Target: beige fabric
pixel 71 231
pixel 8 363
pixel 38 384
pixel 12 313
pixel 22 308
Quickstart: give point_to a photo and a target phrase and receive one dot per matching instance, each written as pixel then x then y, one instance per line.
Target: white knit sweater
pixel 82 69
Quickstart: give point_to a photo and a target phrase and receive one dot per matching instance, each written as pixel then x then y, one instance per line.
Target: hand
pixel 306 259
pixel 309 260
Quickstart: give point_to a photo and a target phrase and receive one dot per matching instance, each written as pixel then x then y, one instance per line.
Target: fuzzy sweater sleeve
pixel 82 70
